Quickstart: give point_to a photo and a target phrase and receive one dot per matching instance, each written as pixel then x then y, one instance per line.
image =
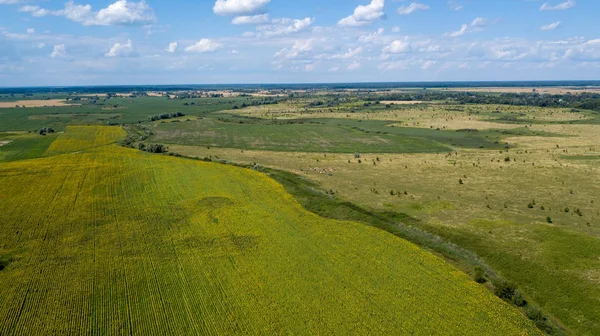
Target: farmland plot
pixel 108 240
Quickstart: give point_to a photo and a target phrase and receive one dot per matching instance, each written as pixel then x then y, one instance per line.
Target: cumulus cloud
pixel 283 26
pixel 121 50
pixel 172 47
pixel 428 64
pixel 30 31
pixel 299 49
pixel 10 2
pixel 351 53
pixel 364 14
pixel 373 37
pixel 561 6
pixel 413 7
pixel 353 66
pixel 238 7
pixel 59 51
pixel 120 13
pixel 551 26
pixel 37 11
pixel 310 67
pixel 475 25
pixel 204 46
pixel 397 47
pixel 254 19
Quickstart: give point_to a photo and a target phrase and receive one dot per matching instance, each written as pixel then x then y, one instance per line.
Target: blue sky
pixel 95 42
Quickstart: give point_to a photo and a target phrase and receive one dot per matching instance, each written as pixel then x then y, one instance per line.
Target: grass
pixel 125 242
pixel 108 111
pixel 555 264
pixel 23 146
pixel 300 136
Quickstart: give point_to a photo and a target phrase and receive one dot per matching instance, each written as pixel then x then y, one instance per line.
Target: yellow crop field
pixel 84 137
pixel 106 240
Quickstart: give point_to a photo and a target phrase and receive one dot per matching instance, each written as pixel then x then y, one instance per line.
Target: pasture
pixel 531 210
pixel 516 185
pixel 101 239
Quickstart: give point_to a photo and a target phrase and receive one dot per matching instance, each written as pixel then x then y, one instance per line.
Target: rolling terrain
pixel 101 239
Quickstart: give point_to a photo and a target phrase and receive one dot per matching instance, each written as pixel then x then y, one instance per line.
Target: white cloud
pixel 299 49
pixel 121 50
pixel 463 29
pixel 397 47
pixel 30 31
pixel 235 52
pixel 353 66
pixel 364 14
pixel 428 64
pixel 310 67
pixel 455 6
pixel 172 47
pixel 334 69
pixel 10 2
pixel 59 51
pixel 238 7
pixel 371 37
pixel 254 19
pixel 204 46
pixel 283 26
pixel 349 54
pixel 415 6
pixel 395 29
pixel 551 26
pixel 561 6
pixel 120 13
pixel 475 25
pixel 37 11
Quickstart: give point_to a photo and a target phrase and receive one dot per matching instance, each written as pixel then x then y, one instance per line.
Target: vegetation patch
pixel 118 254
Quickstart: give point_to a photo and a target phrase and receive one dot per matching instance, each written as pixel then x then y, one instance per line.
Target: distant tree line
pixel 256 103
pixel 584 100
pixel 46 130
pixel 152 148
pixel 167 116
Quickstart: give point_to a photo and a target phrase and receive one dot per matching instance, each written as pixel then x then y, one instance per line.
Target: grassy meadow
pixel 148 244
pixel 530 209
pixel 101 239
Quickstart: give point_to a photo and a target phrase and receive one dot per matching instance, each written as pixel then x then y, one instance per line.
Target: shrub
pixel 460 181
pixel 505 289
pixel 549 220
pixel 534 313
pixel 156 148
pixel 479 275
pixel 518 299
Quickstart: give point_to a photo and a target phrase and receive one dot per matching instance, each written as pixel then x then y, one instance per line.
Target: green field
pixel 116 110
pixel 109 240
pixel 300 136
pixel 508 188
